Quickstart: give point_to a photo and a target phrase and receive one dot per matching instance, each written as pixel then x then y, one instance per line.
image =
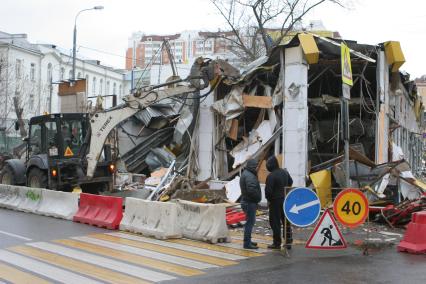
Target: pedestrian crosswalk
pixel 118 257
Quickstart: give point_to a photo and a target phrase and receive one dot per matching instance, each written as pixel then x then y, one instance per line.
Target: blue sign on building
pixel 302 207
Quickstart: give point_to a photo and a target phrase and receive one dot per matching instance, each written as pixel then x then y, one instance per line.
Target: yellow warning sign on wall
pixel 68 152
pixel 346 64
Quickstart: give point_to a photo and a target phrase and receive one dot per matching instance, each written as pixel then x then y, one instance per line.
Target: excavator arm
pixel 103 122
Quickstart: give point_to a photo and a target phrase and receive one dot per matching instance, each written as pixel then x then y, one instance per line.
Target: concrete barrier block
pixel 205 222
pixel 9 196
pixel 58 204
pixel 29 199
pixel 151 218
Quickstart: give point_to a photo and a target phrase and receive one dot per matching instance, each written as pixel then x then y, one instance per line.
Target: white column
pixel 205 143
pixel 295 115
pixel 382 121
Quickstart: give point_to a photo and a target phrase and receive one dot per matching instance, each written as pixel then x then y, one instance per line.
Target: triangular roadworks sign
pixel 326 234
pixel 68 152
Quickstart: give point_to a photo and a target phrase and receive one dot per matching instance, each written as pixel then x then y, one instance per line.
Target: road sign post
pixel 347 83
pixel 302 207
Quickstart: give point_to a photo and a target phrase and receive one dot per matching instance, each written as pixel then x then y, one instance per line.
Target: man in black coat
pixel 275 194
pixel 250 197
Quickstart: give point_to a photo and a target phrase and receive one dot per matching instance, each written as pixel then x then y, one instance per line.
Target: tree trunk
pixel 20 120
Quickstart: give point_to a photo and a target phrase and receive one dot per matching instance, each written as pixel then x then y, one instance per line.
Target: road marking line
pixel 132 258
pixel 148 253
pixel 14 275
pixel 239 246
pixel 176 252
pixel 236 251
pixel 52 272
pixel 256 236
pixel 112 264
pixel 184 247
pixel 181 246
pixel 240 242
pixel 77 266
pixel 252 238
pixel 15 236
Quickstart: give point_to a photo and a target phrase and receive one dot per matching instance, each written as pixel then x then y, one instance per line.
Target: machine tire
pixel 37 178
pixel 7 176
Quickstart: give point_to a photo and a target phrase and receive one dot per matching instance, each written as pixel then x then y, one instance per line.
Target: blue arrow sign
pixel 302 207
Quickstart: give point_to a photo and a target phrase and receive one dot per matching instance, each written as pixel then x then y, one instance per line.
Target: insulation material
pixel 380 187
pixel 245 154
pixel 232 105
pixel 182 126
pixel 277 95
pixel 409 191
pixel 246 149
pixel 322 183
pixel 233 190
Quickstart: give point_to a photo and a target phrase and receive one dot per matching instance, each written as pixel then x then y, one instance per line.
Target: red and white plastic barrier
pixel 101 211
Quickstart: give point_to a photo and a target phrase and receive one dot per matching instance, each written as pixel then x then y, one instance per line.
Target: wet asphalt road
pixel 17 228
pixel 312 266
pixel 383 265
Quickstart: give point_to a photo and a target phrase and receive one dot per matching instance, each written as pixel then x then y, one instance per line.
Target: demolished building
pixel 288 104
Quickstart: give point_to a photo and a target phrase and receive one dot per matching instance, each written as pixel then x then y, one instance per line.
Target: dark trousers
pixel 276 219
pixel 249 209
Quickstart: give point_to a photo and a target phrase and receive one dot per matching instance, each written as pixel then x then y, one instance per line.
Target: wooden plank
pixel 233 131
pixel 257 101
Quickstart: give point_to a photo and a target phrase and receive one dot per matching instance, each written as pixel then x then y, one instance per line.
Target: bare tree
pixel 256 26
pixel 17 95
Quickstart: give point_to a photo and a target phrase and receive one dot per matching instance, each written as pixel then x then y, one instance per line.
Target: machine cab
pixel 57 135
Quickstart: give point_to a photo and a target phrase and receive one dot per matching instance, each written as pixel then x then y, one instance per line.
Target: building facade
pixel 30 73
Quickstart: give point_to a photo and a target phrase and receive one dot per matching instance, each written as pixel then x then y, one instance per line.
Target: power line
pixel 105 52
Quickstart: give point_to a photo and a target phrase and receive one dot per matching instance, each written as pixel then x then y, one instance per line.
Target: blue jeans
pixel 249 209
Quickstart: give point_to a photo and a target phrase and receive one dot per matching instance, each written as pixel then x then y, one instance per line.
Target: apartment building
pixel 146 49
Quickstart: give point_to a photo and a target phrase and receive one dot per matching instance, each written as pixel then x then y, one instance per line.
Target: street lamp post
pixel 74 43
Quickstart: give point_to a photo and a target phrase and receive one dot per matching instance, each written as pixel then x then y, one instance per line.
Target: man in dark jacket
pixel 276 181
pixel 250 197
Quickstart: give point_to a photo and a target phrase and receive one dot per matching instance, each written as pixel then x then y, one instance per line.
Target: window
pixel 94 86
pixel 70 74
pixel 114 88
pixel 107 88
pixel 120 90
pixel 52 138
pixel 49 72
pixel 32 72
pixel 31 102
pixel 35 139
pixel 79 75
pixel 73 134
pixel 101 84
pixel 18 68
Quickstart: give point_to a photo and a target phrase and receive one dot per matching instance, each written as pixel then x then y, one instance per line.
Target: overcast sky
pixel 107 31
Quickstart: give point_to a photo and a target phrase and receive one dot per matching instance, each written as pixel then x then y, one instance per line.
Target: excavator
pixel 64 151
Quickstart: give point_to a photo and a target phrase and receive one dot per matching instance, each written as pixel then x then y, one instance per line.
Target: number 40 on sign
pixel 351 207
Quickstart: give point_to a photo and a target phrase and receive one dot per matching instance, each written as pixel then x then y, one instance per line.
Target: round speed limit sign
pixel 351 207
